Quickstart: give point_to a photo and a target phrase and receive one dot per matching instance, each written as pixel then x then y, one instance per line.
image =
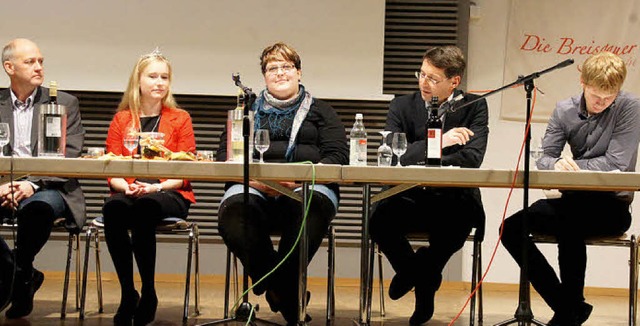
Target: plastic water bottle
pixel 358 143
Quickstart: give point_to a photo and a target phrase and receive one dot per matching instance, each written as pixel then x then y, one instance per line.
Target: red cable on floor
pixel 504 213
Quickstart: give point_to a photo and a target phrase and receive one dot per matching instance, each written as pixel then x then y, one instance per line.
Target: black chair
pixel 74 238
pixel 171 226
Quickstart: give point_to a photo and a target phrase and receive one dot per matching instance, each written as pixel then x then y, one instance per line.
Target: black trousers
pixel 570 219
pixel 35 217
pixel 249 237
pixel 140 216
pixel 446 215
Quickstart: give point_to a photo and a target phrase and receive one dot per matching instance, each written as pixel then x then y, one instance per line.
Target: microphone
pixel 450 104
pixel 563 64
pixel 236 80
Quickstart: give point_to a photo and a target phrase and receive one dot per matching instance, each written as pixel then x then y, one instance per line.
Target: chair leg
pixel 633 280
pixel 65 291
pixel 474 282
pixel 78 275
pixel 227 283
pixel 479 293
pixel 196 233
pixel 380 282
pixel 185 314
pixel 83 296
pixel 331 274
pixel 96 239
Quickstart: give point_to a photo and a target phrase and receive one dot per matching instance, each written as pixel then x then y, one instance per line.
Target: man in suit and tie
pixel 446 214
pixel 35 202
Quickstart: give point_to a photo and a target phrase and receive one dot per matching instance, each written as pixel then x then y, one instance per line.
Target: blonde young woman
pixel 137 205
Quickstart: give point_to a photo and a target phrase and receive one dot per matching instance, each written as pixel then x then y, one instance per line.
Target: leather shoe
pixel 24 290
pixel 575 318
pixel 406 279
pixel 425 299
pixel 401 284
pixel 126 310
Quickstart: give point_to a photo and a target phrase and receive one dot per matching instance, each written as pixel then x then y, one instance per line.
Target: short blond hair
pixel 605 71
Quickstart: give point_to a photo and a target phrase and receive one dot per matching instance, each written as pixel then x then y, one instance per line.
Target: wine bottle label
pixel 53 127
pixel 434 143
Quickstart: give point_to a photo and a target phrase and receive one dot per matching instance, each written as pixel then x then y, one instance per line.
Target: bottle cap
pixel 358 115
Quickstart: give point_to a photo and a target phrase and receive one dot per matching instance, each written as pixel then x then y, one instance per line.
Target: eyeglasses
pixel 421 75
pixel 286 68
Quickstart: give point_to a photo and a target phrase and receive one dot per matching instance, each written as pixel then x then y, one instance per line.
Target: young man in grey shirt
pixel 602 128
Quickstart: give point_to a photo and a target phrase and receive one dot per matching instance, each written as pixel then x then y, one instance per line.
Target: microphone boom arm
pixel 520 80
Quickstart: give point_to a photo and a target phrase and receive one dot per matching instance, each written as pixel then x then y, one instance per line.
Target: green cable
pixel 295 244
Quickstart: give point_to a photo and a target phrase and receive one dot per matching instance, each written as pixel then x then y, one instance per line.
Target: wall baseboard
pixel 340 282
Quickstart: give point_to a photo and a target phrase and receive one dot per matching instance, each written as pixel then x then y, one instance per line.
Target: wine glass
pixel 262 142
pixel 399 145
pixel 131 138
pixel 535 150
pixel 385 153
pixel 5 135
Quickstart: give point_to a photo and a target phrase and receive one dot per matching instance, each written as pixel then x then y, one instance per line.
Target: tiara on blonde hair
pixel 156 53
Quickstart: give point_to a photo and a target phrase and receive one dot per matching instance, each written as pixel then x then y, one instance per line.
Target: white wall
pixel 607 267
pixel 93 45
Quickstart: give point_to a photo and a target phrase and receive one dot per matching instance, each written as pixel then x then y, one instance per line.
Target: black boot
pixel 146 311
pixel 24 289
pixel 126 310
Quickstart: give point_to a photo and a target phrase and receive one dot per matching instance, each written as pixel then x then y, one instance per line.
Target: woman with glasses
pixel 138 205
pixel 301 128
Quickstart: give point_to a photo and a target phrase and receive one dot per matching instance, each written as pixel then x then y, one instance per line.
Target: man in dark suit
pixel 35 202
pixel 446 214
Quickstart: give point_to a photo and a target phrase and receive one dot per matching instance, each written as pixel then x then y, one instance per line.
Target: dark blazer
pixel 69 188
pixel 408 114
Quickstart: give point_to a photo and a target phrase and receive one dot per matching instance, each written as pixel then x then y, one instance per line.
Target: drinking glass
pixel 399 145
pixel 385 154
pixel 131 138
pixel 535 150
pixel 262 142
pixel 5 136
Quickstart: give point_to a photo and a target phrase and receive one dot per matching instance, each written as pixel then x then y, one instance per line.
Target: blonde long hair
pixel 131 98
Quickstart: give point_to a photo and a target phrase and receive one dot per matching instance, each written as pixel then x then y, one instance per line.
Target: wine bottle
pixel 53 92
pixel 235 140
pixel 52 123
pixel 433 139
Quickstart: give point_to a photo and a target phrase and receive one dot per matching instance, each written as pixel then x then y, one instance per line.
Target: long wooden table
pixel 401 178
pixel 405 178
pixel 267 173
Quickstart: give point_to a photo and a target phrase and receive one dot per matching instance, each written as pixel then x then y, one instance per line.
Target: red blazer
pixel 178 136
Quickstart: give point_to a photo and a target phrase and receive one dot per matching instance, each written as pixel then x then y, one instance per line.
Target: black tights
pixel 140 216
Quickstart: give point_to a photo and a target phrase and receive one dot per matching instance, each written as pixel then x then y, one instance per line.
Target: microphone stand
pixel 244 310
pixel 523 315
